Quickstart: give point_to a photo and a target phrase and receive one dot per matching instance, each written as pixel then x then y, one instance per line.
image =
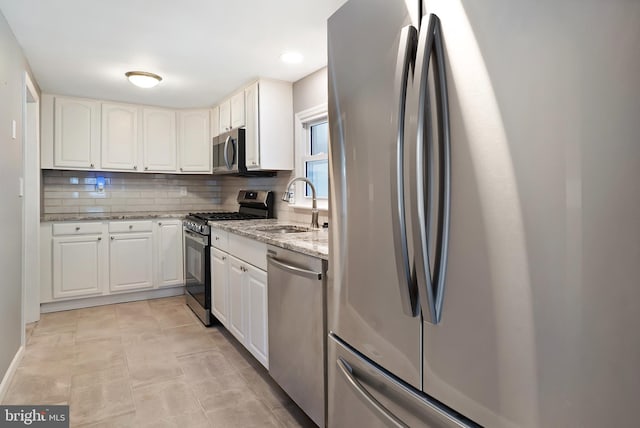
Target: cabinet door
pixel 215 122
pixel 130 261
pixel 119 136
pixel 169 244
pixel 76 266
pixel 220 285
pixel 237 110
pixel 159 140
pixel 76 142
pixel 252 148
pixel 194 141
pixel 257 310
pixel 225 117
pixel 237 321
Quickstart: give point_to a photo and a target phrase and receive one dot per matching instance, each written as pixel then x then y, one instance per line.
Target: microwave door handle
pixel 404 67
pixel 444 141
pixel 225 151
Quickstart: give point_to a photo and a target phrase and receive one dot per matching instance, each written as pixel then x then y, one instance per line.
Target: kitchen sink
pixel 283 228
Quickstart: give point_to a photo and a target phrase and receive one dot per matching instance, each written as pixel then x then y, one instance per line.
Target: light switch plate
pixel 13 129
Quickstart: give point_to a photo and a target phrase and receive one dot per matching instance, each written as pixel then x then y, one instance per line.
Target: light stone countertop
pixel 112 216
pixel 313 243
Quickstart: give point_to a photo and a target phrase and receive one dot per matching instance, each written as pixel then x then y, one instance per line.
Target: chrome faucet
pixel 314 203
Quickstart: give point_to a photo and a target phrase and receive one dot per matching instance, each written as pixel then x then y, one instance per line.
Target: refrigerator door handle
pixel 431 287
pixel 421 182
pixel 389 417
pixel 406 280
pixel 444 142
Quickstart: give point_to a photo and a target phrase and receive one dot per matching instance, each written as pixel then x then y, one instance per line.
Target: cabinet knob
pixel 99 238
pixel 181 169
pixel 159 223
pixel 77 228
pixel 91 166
pixel 217 238
pixel 112 238
pixel 130 226
pixel 135 167
pixel 146 168
pixel 224 258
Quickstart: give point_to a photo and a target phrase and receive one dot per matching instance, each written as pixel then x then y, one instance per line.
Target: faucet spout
pixel 314 203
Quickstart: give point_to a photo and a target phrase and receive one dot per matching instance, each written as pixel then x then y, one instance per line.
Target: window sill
pixel 322 209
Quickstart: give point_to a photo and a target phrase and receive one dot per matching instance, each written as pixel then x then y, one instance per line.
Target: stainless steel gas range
pixel 254 204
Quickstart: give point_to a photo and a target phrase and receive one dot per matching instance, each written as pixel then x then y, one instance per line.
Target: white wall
pixel 12 68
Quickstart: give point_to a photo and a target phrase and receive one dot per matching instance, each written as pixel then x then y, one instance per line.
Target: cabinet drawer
pixel 77 229
pixel 249 250
pixel 220 239
pixel 130 226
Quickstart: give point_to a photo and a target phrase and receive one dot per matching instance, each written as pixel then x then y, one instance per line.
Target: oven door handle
pixel 195 237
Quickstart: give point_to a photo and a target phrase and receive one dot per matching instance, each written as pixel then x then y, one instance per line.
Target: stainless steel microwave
pixel 228 152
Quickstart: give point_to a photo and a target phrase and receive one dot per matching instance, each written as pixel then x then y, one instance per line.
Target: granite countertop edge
pixel 314 243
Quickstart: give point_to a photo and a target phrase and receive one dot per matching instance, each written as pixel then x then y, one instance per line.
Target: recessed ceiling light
pixel 292 57
pixel 143 79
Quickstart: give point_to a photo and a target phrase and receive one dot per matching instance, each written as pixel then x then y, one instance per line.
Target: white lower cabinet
pixel 170 268
pixel 220 286
pixel 239 294
pixel 97 259
pixel 130 261
pixel 256 306
pixel 77 265
pixel 237 316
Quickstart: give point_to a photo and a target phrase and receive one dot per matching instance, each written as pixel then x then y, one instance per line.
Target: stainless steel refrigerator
pixel 485 213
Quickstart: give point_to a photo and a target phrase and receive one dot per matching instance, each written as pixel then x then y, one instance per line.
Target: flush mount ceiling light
pixel 143 79
pixel 292 57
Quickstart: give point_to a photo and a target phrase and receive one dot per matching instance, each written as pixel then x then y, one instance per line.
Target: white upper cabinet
pixel 237 110
pixel 159 140
pixel 119 136
pixel 224 124
pixel 215 122
pixel 194 141
pixel 269 125
pixel 76 141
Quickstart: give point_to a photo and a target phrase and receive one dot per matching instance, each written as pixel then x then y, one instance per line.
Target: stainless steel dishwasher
pixel 297 328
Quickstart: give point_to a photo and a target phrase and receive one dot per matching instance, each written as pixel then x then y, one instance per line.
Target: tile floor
pixel 147 364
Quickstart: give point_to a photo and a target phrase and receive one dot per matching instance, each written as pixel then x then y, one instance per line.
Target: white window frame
pixel 303 121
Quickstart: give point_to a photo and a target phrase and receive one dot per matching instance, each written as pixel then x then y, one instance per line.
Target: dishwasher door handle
pixel 294 269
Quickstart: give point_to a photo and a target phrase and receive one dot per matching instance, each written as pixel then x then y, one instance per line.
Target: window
pixel 312 159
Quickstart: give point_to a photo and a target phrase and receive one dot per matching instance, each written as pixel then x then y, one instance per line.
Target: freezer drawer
pixel 362 394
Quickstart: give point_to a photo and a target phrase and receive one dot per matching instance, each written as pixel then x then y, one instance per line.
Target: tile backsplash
pixel 76 192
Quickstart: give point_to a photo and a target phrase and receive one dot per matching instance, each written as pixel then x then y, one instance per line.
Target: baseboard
pixel 88 302
pixel 8 376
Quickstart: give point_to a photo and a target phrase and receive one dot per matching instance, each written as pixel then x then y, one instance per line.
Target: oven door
pixel 225 153
pixel 198 275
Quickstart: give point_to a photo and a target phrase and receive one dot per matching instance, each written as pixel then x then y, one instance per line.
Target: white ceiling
pixel 203 49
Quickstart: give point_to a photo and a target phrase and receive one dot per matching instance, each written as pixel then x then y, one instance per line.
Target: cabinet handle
pixel 135 167
pixel 77 228
pixel 160 223
pixel 217 238
pixel 112 238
